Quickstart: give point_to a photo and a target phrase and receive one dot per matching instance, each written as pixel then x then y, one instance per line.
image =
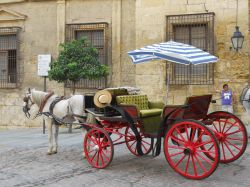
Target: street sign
pixel 43 64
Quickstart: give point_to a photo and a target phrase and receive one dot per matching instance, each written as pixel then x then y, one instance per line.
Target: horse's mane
pixel 38 96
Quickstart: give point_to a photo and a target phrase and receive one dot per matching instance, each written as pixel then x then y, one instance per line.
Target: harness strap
pixel 45 99
pixel 54 102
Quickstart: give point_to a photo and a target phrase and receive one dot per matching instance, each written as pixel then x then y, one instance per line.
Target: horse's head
pixel 28 102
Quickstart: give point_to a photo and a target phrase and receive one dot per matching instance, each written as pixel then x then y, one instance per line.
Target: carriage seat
pixel 144 107
pixel 138 106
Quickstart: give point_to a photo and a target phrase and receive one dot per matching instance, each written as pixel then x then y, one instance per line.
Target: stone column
pixel 116 42
pixel 61 20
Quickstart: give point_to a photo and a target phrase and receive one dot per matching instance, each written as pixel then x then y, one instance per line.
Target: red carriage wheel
pixel 98 147
pixel 146 143
pixel 182 149
pixel 231 134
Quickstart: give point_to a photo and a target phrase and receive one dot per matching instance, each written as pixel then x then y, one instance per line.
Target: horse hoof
pixel 54 152
pixel 49 153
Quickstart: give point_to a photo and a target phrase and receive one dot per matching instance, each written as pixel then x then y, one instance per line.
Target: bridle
pixel 26 107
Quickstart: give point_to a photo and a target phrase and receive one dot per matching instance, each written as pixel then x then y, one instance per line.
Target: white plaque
pixel 43 64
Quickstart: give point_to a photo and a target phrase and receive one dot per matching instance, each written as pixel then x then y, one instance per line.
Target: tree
pixel 77 60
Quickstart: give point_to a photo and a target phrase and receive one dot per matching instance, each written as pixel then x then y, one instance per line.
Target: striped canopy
pixel 173 52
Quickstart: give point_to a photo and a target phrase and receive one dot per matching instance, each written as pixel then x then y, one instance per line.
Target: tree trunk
pixel 74 88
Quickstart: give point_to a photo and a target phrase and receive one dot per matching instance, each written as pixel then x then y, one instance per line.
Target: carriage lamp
pixel 237 39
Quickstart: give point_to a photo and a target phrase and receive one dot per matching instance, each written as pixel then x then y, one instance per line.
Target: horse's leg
pixel 55 138
pixel 49 126
pixel 70 128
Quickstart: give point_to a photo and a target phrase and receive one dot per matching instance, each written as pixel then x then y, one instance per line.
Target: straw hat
pixel 102 98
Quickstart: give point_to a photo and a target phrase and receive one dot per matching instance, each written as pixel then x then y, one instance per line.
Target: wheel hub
pixel 96 148
pixel 189 150
pixel 220 136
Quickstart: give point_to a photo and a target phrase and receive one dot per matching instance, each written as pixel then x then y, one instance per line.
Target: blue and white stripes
pixel 173 52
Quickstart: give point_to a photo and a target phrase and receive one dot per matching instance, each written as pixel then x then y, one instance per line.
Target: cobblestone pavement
pixel 23 162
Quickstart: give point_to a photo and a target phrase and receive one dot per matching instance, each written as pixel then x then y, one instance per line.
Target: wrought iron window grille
pixel 196 30
pixel 97 34
pixel 9 57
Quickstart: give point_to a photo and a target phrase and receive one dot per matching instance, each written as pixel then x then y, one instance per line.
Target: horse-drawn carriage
pixel 194 141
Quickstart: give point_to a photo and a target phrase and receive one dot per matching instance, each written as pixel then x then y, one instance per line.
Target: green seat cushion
pixel 140 100
pixel 150 112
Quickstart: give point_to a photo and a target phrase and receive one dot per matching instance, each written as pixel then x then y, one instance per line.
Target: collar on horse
pixel 44 101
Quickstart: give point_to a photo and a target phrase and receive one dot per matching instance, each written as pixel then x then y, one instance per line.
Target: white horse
pixel 245 99
pixel 72 108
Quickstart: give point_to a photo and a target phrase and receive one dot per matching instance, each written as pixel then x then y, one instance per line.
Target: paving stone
pixel 23 162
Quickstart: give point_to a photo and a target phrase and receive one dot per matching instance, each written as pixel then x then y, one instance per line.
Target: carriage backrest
pixel 197 107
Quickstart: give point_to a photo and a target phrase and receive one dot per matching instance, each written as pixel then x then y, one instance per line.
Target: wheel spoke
pixel 187 164
pixel 90 145
pixel 177 130
pixel 202 132
pixel 145 142
pixel 101 158
pixel 132 144
pixel 99 138
pixel 93 140
pixel 235 139
pixel 230 127
pixel 204 143
pixel 223 151
pixel 175 147
pixel 200 164
pixel 90 151
pixel 177 139
pixel 182 158
pixel 144 147
pixel 104 154
pixel 94 135
pixel 97 159
pixel 233 132
pixel 225 122
pixel 186 132
pixel 192 132
pixel 215 128
pixel 206 151
pixel 175 154
pixel 229 149
pixel 93 156
pixel 211 147
pixel 232 145
pixel 203 158
pixel 194 166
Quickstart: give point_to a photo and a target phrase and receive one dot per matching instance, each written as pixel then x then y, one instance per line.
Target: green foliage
pixel 77 60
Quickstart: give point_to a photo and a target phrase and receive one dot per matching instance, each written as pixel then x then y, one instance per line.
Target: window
pixel 97 36
pixel 196 30
pixel 9 46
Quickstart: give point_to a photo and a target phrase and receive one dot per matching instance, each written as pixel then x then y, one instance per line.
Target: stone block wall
pixel 132 24
pixel 232 67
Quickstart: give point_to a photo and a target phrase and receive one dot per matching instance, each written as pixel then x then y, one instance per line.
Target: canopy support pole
pixel 168 82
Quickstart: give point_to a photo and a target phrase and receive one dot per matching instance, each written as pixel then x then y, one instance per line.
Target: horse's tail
pixel 243 94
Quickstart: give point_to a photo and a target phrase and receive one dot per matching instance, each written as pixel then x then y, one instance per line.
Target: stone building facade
pixel 32 27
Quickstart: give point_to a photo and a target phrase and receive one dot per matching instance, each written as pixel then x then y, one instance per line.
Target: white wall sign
pixel 43 64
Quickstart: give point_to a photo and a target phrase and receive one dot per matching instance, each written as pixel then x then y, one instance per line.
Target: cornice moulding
pixel 9 15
